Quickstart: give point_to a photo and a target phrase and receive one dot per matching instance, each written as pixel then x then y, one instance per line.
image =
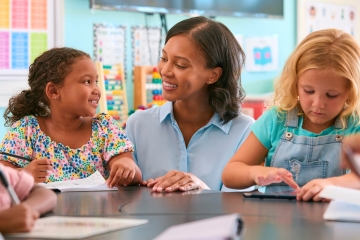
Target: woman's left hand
pixel 177 181
pixel 311 190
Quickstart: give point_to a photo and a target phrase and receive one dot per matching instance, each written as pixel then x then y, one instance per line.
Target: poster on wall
pixel 323 15
pixel 26 31
pixel 146 45
pixel 110 44
pixel 262 54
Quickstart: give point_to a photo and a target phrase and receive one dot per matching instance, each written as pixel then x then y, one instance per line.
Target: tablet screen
pixel 284 192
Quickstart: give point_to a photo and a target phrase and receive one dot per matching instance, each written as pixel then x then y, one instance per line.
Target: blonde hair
pixel 324 49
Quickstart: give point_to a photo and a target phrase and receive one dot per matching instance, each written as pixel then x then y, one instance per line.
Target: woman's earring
pixel 298 98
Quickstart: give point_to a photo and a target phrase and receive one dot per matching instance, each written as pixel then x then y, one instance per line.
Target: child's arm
pixel 19 218
pixel 311 190
pixel 123 171
pixel 351 142
pixel 244 169
pixel 41 199
pixel 37 168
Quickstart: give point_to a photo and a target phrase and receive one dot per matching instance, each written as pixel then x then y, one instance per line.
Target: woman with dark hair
pixel 186 143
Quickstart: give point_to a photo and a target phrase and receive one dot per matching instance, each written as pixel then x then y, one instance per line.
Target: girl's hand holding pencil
pixel 39 168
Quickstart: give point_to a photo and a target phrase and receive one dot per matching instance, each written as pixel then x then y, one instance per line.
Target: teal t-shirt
pixel 271 125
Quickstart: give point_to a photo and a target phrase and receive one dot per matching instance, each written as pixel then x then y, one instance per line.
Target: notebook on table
pixel 94 182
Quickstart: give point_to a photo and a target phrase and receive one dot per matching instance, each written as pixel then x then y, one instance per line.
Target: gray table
pixel 264 219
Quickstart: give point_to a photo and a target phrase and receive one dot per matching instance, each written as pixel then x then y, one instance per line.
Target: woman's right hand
pixel 175 181
pixel 38 168
pixel 18 218
pixel 268 175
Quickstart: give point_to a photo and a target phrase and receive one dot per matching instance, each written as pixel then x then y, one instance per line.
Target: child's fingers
pixel 129 178
pixel 41 161
pixel 39 179
pixel 115 177
pixel 291 183
pixel 44 167
pixel 42 174
pixel 124 176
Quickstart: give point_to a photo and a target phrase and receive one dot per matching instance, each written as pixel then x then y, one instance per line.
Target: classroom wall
pixel 78 33
pixel 301 15
pixel 78 15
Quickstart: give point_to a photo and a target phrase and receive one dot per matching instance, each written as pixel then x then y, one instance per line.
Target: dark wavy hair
pixel 221 49
pixel 51 66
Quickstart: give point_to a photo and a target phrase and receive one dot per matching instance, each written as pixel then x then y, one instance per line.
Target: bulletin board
pixel 146 43
pixel 322 14
pixel 110 43
pixel 26 31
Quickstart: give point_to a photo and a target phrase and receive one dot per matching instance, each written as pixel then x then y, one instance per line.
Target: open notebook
pixel 94 182
pixel 59 227
pixel 344 205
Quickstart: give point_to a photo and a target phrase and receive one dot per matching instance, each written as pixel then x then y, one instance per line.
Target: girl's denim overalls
pixel 308 158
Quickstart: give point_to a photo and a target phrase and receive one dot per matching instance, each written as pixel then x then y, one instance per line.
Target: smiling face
pixel 322 95
pixel 80 94
pixel 182 67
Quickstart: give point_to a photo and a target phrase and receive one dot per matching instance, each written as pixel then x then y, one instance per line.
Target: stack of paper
pixel 345 204
pixel 76 227
pixel 95 182
pixel 229 226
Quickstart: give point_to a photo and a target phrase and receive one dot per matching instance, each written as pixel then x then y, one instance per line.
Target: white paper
pixel 95 182
pixel 340 193
pixel 216 228
pixel 345 204
pixel 76 227
pixel 342 211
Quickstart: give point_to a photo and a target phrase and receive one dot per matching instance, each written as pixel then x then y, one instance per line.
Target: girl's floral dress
pixel 25 138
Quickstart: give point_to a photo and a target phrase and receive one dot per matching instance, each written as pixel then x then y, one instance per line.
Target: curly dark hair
pixel 221 49
pixel 51 66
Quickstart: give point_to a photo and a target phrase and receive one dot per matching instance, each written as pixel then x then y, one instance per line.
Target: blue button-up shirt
pixel 160 146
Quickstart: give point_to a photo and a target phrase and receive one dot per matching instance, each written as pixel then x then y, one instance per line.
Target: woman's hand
pixel 268 175
pixel 175 181
pixel 39 168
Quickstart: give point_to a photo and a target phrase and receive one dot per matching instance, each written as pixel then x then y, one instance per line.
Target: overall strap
pixel 292 118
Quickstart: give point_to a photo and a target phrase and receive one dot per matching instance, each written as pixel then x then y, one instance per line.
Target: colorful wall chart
pixel 146 45
pixel 324 15
pixel 109 43
pixel 25 33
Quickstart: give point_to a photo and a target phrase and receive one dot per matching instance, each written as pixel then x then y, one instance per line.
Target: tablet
pixel 280 192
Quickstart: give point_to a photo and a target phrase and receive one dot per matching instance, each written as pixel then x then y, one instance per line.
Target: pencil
pixel 12 193
pixel 15 156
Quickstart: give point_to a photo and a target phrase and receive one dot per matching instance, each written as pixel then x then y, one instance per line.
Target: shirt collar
pixel 167 110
